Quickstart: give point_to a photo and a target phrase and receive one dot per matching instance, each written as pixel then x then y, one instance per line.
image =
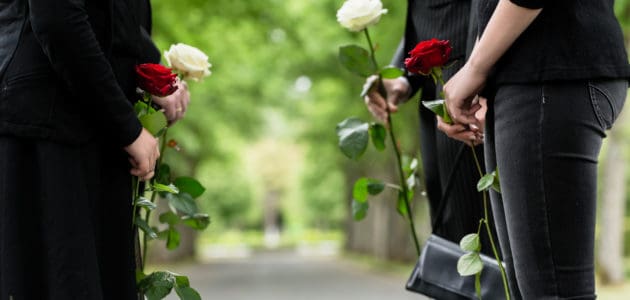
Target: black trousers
pixel 65 222
pixel 545 140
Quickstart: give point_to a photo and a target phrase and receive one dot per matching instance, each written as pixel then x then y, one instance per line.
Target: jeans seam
pixel 541 121
pixel 595 104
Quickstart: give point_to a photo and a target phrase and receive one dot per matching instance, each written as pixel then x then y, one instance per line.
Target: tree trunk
pixel 612 209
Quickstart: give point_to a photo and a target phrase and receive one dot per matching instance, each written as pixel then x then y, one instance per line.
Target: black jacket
pixel 56 75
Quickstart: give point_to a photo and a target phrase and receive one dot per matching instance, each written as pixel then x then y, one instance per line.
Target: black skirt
pixel 65 221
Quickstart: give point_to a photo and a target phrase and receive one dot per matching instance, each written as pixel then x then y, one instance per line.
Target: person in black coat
pixel 67 133
pixel 449 169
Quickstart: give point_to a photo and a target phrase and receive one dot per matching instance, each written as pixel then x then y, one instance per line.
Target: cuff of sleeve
pixel 129 129
pixel 533 4
pixel 415 82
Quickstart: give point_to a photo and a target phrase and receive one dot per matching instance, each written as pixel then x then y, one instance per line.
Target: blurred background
pixel 260 136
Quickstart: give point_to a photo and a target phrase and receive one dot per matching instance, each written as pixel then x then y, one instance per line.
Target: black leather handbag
pixel 435 274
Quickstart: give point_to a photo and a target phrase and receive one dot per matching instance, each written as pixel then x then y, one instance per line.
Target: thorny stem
pixel 487 225
pixel 401 173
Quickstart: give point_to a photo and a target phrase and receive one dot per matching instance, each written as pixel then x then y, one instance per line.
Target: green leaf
pixel 375 187
pixel 153 122
pixel 181 281
pixel 163 174
pixel 169 218
pixel 496 185
pixel 485 182
pixel 165 188
pixel 173 238
pixel 378 133
pixel 359 210
pixel 401 206
pixel 357 60
pixel 190 186
pixel 366 186
pixel 157 285
pixel 187 293
pixel 145 203
pixel 183 202
pixel 144 226
pixel 197 221
pixel 353 137
pixel 438 108
pixel 469 264
pixel 141 108
pixel 470 242
pixel 391 72
pixel 140 275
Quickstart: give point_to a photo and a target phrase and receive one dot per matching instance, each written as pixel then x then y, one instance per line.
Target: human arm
pixel 67 37
pixel 507 23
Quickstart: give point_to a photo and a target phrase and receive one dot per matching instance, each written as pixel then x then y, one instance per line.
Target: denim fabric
pixel 545 139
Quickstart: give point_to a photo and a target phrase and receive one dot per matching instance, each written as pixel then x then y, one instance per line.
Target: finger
pixel 376 99
pixel 148 176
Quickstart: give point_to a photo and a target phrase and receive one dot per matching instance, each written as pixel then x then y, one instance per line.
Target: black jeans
pixel 545 139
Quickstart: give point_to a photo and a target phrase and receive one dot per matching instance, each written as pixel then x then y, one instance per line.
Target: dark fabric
pixel 65 195
pixel 529 3
pixel 569 40
pixel 545 140
pixel 449 20
pixel 70 53
pixel 59 238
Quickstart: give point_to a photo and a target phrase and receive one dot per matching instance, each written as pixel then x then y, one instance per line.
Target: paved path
pixel 289 276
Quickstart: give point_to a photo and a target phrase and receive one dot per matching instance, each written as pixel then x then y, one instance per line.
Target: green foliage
pixel 438 108
pixel 470 242
pixel 391 72
pixel 359 210
pixel 378 134
pixel 469 264
pixel 353 137
pixel 158 285
pixel 357 60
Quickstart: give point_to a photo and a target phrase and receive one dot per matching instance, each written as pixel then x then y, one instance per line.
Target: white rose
pixel 188 61
pixel 356 15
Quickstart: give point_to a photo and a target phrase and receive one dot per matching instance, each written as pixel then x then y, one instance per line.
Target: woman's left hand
pixel 175 105
pixel 460 92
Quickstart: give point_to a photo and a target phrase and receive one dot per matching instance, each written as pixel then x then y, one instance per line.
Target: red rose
pixel 427 55
pixel 156 79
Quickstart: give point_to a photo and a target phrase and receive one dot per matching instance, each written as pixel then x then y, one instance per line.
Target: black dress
pixel 65 188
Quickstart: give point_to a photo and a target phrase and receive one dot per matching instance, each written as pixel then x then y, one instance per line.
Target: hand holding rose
pixel 175 105
pixel 398 91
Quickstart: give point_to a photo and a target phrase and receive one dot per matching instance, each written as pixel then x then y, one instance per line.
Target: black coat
pixel 57 81
pixel 66 75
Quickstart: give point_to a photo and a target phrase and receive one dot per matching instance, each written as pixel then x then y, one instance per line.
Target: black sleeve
pixel 533 4
pixel 148 51
pixel 67 38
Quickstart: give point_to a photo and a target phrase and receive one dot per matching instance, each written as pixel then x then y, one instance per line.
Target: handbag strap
pixel 447 190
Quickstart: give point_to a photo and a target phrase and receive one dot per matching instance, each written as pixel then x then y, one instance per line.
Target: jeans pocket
pixel 607 98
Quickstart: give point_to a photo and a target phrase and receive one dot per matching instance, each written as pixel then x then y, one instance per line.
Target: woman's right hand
pixel 470 134
pixel 460 93
pixel 143 153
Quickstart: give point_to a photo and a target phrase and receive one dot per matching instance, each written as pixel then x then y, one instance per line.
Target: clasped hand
pixel 466 109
